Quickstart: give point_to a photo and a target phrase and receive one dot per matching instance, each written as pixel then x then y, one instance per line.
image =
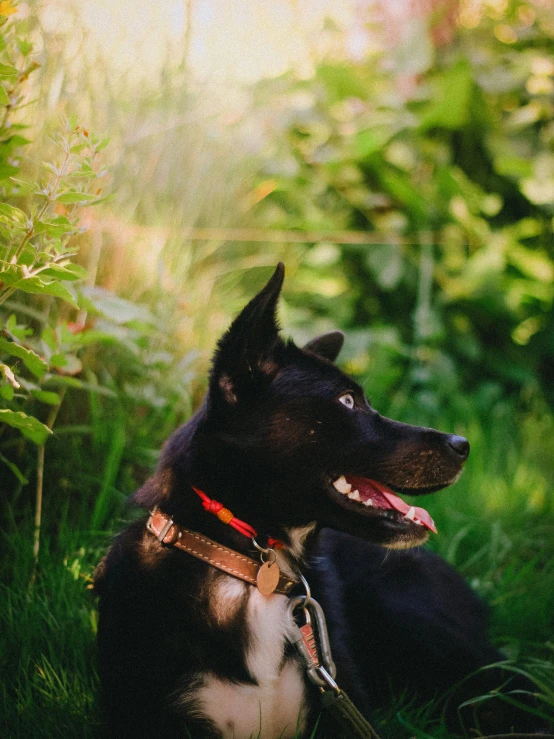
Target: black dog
pixel 288 443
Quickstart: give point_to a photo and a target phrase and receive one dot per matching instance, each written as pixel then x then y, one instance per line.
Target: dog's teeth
pixel 355 495
pixel 342 486
pixel 368 502
pixel 411 514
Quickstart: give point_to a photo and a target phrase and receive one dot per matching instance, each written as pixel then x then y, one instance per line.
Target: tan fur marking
pixel 226 385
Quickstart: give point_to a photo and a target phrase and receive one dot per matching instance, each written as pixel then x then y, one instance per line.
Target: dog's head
pixel 286 438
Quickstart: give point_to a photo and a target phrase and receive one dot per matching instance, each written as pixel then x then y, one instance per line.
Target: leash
pixel 312 647
pixel 318 662
pixel 314 650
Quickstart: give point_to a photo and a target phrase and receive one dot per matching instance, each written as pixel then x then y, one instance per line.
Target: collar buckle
pixel 161 534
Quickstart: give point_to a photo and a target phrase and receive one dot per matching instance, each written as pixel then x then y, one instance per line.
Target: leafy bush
pixel 59 332
pixel 457 176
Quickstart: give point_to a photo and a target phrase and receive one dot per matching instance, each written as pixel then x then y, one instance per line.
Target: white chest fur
pixel 273 708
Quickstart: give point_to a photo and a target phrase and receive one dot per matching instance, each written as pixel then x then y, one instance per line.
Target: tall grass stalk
pixel 40 483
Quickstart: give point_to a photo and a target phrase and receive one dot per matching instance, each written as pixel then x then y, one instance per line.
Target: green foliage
pixel 448 310
pixel 455 169
pixel 55 323
pixel 35 255
pixel 48 682
pixel 494 531
pixel 35 250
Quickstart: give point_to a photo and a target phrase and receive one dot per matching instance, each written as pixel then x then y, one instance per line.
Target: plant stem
pixel 49 200
pixel 40 480
pixel 38 506
pixel 188 33
pixel 8 293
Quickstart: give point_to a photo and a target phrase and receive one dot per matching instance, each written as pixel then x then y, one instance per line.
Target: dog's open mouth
pixel 376 495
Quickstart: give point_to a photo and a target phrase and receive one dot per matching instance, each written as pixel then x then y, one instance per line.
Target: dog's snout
pixel 460 446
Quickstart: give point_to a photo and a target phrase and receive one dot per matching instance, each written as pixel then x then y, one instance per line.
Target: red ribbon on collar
pixel 225 515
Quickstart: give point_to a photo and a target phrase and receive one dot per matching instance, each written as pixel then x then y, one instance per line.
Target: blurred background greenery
pixel 398 157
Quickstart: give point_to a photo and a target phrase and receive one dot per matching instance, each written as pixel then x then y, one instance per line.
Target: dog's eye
pixel 347 399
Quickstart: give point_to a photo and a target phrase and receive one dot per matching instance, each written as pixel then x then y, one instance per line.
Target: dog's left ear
pixel 327 345
pixel 247 353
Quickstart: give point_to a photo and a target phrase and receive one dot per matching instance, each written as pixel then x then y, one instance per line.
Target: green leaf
pixel 58 360
pixel 19 331
pixel 15 469
pixel 6 170
pixel 9 213
pixel 115 308
pixel 535 263
pixel 402 189
pixel 449 106
pixel 371 140
pixel 78 272
pixel 29 426
pixel 32 361
pixel 24 46
pixel 46 396
pixel 72 196
pixel 66 272
pixel 6 392
pixel 14 141
pixel 6 70
pixel 20 186
pixel 10 274
pixel 19 140
pixel 102 144
pixel 36 286
pixel 4 98
pixel 94 336
pixel 342 81
pixel 68 364
pixel 73 382
pixel 56 230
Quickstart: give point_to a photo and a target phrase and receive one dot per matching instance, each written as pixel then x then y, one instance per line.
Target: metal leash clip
pixel 320 668
pixel 313 648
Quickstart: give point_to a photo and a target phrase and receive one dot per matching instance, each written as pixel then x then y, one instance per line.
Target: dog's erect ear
pixel 248 351
pixel 327 345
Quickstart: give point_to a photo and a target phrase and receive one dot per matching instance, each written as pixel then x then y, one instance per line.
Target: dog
pixel 287 450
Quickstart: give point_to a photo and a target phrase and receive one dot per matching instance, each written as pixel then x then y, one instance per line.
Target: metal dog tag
pixel 268 577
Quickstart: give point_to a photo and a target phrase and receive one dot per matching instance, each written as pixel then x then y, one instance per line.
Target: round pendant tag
pixel 268 578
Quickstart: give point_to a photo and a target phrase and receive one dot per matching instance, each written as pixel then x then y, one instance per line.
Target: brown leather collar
pixel 225 559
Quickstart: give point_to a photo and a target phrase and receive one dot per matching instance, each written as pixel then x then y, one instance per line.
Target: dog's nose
pixel 459 445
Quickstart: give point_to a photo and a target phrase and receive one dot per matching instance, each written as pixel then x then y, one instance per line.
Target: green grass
pixel 496 525
pixel 47 641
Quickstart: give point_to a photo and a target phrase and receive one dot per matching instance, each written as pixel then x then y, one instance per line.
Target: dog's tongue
pixel 383 497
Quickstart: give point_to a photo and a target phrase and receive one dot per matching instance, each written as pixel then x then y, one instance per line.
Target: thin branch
pixel 31 231
pixel 40 481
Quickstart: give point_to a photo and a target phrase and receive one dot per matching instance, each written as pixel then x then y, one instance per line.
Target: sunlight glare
pixel 238 41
